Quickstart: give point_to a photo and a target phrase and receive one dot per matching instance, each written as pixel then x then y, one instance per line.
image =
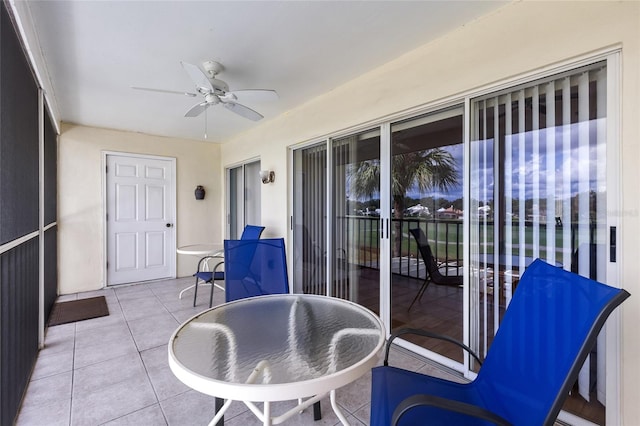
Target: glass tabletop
pixel 276 340
pixel 201 249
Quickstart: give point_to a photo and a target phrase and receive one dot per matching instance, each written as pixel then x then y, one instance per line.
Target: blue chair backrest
pixel 255 268
pixel 547 331
pixel 251 232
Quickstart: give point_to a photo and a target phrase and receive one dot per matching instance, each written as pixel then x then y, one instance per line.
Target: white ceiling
pixel 94 51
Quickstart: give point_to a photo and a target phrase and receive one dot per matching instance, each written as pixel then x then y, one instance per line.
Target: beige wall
pixel 81 213
pixel 517 40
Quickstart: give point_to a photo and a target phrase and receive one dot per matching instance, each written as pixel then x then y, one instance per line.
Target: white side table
pixel 201 250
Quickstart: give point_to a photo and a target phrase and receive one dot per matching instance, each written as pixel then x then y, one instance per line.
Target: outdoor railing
pixel 360 240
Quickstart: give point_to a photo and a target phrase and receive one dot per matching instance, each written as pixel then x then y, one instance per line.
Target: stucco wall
pixel 80 207
pixel 515 41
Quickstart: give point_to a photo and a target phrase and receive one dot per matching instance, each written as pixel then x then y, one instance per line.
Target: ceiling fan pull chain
pixel 205 124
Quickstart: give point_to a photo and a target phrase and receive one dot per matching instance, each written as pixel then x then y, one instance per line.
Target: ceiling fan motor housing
pixel 212 68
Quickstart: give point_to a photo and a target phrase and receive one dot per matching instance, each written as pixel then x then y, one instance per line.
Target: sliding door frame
pixel 612 57
pixel 230 192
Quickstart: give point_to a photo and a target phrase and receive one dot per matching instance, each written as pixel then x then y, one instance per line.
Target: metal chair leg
pixel 213 281
pixel 195 292
pixel 425 284
pixel 317 413
pixel 219 404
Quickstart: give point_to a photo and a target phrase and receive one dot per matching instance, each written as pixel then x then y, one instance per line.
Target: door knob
pixel 169 225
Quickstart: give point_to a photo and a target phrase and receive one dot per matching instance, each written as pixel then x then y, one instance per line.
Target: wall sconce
pixel 199 192
pixel 267 176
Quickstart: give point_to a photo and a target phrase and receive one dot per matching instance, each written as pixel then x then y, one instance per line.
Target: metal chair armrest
pixel 205 259
pixel 446 404
pixel 426 333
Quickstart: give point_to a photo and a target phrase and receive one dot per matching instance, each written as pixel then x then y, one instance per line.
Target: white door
pixel 140 219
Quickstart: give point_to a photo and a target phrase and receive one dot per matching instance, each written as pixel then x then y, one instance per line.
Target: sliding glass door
pixel 336 219
pixel 539 190
pixel 243 203
pixel 354 252
pixel 511 176
pixel 427 168
pixel 309 219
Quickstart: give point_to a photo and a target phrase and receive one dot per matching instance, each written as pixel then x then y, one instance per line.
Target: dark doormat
pixel 78 310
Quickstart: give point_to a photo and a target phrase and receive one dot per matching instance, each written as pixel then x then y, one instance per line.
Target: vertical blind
pixel 345 160
pixel 538 190
pixel 310 187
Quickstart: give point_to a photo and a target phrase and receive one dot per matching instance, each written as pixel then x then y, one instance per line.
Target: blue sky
pixel 540 162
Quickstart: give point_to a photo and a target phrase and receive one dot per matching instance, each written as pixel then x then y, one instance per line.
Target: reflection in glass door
pixel 539 190
pixel 336 219
pixel 427 210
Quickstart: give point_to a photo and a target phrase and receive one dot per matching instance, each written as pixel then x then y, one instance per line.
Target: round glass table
pixel 276 348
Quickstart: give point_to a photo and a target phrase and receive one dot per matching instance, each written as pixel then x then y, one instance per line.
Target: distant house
pixel 418 210
pixel 449 213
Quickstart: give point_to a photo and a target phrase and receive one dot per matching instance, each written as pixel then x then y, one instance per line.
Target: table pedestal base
pixel 268 420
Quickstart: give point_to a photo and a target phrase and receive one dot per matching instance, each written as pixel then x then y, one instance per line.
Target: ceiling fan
pixel 216 92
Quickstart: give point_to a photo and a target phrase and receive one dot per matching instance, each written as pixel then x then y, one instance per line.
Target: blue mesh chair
pixel 255 268
pixel 250 232
pixel 547 332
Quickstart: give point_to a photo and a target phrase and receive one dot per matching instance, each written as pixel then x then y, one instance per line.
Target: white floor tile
pixel 114 370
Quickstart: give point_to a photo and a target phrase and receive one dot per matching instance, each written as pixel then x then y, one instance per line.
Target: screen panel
pixel 18 138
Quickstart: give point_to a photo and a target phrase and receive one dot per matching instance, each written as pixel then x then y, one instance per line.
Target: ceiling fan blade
pixel 197 109
pixel 174 92
pixel 244 111
pixel 256 95
pixel 198 77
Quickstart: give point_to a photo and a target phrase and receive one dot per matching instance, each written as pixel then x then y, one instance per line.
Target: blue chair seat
pixel 394 385
pixel 208 277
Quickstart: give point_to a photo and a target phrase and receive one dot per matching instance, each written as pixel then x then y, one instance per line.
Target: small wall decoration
pixel 199 192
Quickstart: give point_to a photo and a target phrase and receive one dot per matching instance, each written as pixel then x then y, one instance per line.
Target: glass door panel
pixel 427 194
pixel 310 219
pixel 236 206
pixel 538 190
pixel 252 194
pixel 354 250
pixel 244 198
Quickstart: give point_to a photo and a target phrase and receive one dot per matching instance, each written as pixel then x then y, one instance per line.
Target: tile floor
pixel 113 370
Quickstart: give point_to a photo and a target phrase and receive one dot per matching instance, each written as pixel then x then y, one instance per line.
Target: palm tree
pixel 429 169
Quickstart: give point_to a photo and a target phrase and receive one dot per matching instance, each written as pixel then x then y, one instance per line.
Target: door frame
pixel 172 258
